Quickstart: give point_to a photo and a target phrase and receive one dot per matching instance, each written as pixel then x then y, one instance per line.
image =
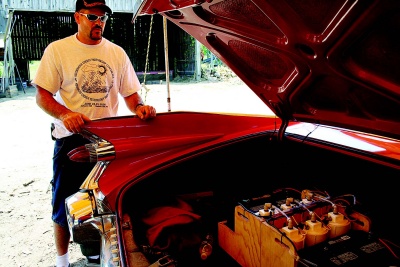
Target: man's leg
pixel 61 239
pixel 67 178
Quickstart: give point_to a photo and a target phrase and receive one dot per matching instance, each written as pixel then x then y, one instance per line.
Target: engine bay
pixel 224 208
pixel 288 227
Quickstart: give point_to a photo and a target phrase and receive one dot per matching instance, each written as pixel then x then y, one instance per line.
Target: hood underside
pixel 327 62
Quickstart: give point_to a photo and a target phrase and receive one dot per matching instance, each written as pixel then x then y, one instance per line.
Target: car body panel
pixel 146 146
pixel 356 141
pixel 143 145
pixel 326 62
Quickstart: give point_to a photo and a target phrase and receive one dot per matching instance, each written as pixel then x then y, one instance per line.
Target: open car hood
pixel 325 62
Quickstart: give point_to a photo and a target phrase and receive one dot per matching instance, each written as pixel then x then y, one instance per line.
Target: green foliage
pixel 206 54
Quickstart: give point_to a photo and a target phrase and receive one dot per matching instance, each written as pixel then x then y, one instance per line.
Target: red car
pixel 314 185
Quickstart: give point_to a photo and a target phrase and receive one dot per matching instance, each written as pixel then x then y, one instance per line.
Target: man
pixel 78 80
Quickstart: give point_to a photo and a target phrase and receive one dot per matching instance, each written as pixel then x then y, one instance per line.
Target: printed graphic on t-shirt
pixel 94 80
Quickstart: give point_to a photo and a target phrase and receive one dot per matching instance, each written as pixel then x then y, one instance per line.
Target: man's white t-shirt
pixel 86 78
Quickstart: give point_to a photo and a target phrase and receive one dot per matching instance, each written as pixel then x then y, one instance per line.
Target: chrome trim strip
pixel 109 254
pixel 94 175
pixel 99 149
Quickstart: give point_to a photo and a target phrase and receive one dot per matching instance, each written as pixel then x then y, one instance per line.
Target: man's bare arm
pixel 135 104
pixel 73 121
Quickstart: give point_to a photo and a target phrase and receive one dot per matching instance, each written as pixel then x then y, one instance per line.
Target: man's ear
pixel 77 17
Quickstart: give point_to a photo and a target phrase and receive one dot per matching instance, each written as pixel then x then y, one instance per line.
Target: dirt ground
pixel 26 232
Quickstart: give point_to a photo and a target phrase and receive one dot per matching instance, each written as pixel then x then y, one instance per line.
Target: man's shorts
pixel 68 175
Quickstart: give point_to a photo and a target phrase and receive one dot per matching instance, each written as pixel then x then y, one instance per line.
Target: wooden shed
pixel 27 27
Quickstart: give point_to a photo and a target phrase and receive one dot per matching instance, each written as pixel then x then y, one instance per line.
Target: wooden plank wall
pixel 33 31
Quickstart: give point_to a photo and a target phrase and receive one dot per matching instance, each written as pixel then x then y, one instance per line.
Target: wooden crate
pixel 254 243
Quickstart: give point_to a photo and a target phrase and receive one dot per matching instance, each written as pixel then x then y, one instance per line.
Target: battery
pixel 355 248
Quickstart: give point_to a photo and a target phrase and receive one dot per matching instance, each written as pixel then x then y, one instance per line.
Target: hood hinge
pixel 282 129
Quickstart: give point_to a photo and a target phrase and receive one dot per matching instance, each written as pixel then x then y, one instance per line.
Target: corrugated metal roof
pixel 60 6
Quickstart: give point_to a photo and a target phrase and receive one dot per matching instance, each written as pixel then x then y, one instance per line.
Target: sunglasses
pixel 93 18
